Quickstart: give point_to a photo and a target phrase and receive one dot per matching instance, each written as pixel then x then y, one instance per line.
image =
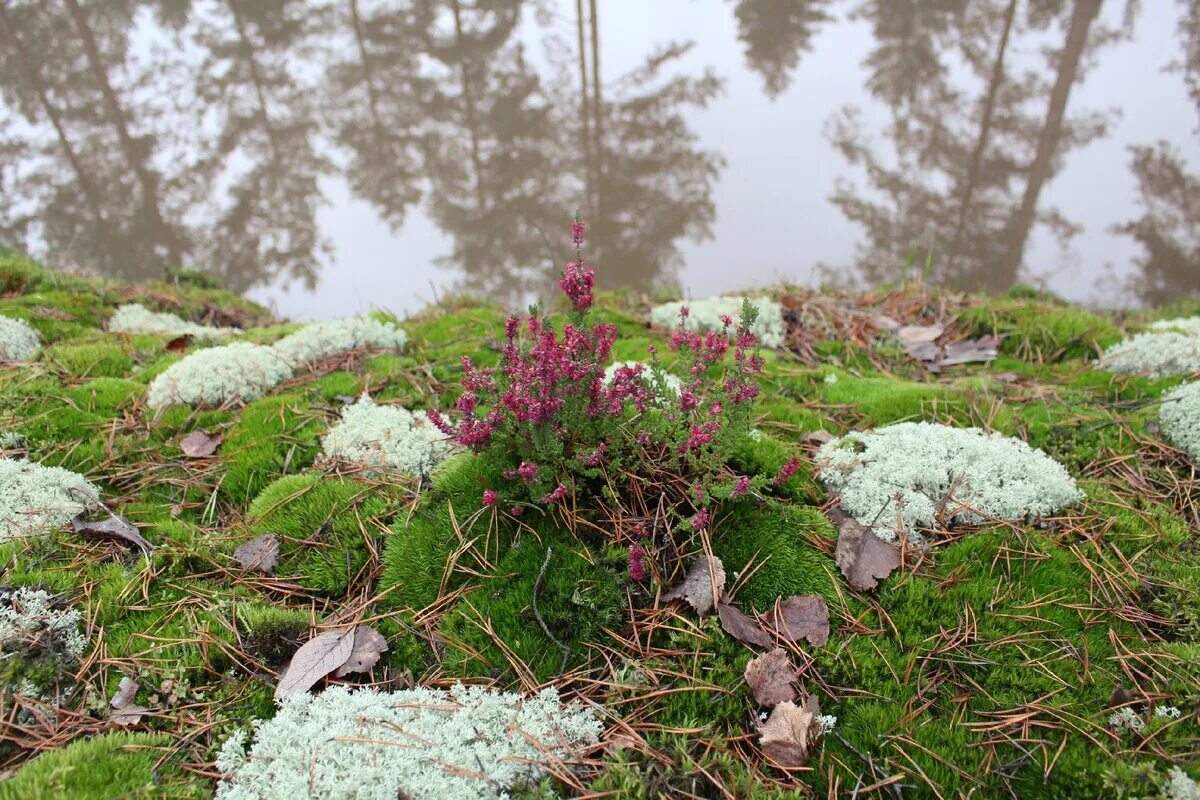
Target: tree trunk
pixel 584 103
pixel 137 163
pixel 598 110
pixel 34 75
pixel 985 130
pixel 1082 17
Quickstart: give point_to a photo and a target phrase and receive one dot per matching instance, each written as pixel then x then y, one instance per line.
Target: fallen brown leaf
pixel 863 557
pixel 315 659
pixel 369 645
pixel 698 584
pixel 115 527
pixel 199 444
pixel 741 627
pixel 770 678
pixel 124 711
pixel 786 736
pixel 803 617
pixel 179 343
pixel 260 554
pixel 818 437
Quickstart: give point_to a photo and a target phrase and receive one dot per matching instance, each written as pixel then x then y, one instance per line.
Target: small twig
pixel 537 588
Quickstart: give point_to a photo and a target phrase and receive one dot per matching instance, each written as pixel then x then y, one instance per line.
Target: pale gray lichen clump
pixel 1179 415
pixel 386 436
pixel 1187 325
pixel 29 620
pixel 1180 786
pixel 960 475
pixel 424 744
pixel 18 341
pixel 34 498
pixel 706 315
pixel 323 339
pixel 1159 353
pixel 136 318
pixel 216 375
pixel 650 372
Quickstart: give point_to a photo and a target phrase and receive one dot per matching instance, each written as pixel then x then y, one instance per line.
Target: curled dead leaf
pixel 179 343
pixel 368 646
pixel 315 659
pixel 863 557
pixel 124 711
pixel 741 627
pixel 701 589
pixel 260 554
pixel 802 617
pixel 199 444
pixel 818 437
pixel 786 737
pixel 770 678
pixel 115 527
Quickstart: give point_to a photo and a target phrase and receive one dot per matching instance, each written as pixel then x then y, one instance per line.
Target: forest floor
pixel 989 664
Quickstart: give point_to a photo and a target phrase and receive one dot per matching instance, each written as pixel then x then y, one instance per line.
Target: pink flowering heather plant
pixel 558 431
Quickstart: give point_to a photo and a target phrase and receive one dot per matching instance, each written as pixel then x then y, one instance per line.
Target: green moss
pixel 327 527
pixel 270 633
pixel 89 360
pixel 1040 330
pixel 272 437
pixel 770 539
pixel 109 765
pixel 579 596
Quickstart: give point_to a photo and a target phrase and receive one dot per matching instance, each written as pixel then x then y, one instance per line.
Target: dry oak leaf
pixel 115 527
pixel 863 557
pixel 802 617
pixel 260 554
pixel 369 645
pixel 786 737
pixel 700 588
pixel 741 627
pixel 179 343
pixel 199 444
pixel 770 678
pixel 315 659
pixel 124 711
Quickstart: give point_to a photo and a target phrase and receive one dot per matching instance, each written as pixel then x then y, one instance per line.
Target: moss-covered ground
pixel 988 666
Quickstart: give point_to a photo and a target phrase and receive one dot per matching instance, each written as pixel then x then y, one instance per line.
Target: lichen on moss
pixel 1179 414
pixel 1157 353
pixel 18 341
pixel 917 474
pixel 136 318
pixel 386 437
pixel 34 497
pixel 319 340
pixel 427 744
pixel 708 314
pixel 218 375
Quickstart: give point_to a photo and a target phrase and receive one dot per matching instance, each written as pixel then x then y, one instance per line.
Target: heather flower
pixel 489 498
pixel 637 562
pixel 577 282
pixel 740 488
pixel 527 472
pixel 700 520
pixel 559 493
pixel 789 469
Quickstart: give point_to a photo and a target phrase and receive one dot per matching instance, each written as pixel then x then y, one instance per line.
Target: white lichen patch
pixel 707 315
pixel 217 375
pixel 1180 786
pixel 386 437
pixel 424 744
pixel 34 498
pixel 650 372
pixel 29 623
pixel 320 340
pixel 18 341
pixel 1186 325
pixel 1179 416
pixel 1160 354
pixel 918 474
pixel 136 318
